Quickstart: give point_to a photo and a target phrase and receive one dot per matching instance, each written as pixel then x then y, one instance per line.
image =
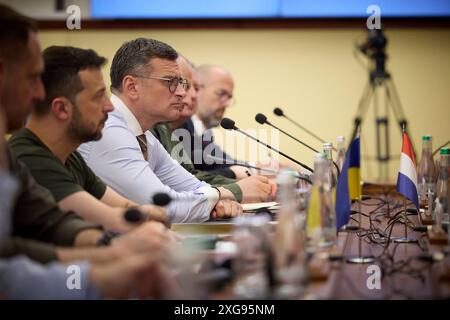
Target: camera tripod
pixel 380 79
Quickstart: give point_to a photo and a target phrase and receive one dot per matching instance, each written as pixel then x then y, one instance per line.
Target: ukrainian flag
pixel 349 184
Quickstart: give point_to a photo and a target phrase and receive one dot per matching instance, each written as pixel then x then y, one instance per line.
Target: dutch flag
pixel 407 175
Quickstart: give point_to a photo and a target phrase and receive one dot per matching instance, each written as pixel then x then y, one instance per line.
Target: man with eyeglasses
pixel 148 89
pixel 74 111
pixel 214 97
pixel 172 136
pixel 32 224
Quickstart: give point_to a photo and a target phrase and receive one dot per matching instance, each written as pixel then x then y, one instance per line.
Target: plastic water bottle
pixel 289 242
pixel 251 263
pixel 332 171
pixel 426 173
pixel 442 186
pixel 321 199
pixel 340 151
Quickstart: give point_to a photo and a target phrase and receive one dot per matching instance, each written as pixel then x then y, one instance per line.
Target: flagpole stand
pixel 405 239
pixel 360 259
pixel 351 227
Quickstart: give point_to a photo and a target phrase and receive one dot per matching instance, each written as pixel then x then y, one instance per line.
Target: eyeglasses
pixel 172 83
pixel 225 97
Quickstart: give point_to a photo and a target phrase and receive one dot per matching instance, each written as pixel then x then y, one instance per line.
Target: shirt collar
pixel 199 127
pixel 129 117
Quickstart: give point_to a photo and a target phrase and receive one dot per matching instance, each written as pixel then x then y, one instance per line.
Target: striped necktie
pixel 142 140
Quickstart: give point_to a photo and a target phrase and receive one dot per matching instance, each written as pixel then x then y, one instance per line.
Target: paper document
pixel 260 205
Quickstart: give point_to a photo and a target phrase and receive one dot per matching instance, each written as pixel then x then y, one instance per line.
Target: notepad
pixel 248 207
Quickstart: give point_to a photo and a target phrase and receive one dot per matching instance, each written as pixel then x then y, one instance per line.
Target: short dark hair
pixel 133 58
pixel 60 77
pixel 14 29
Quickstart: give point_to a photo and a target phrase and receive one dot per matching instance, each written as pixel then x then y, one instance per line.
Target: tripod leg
pixel 382 133
pixel 392 98
pixel 392 95
pixel 363 106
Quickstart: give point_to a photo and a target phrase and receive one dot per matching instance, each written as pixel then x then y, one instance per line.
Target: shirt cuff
pixel 211 194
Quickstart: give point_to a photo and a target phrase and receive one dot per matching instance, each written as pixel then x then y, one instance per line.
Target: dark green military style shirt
pixel 38 224
pixel 61 179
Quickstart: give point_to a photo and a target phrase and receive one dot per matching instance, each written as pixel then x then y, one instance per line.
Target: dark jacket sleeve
pixel 39 251
pixel 214 168
pixel 224 171
pixel 37 216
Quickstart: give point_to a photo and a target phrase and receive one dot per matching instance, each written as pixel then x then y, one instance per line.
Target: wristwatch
pixel 107 237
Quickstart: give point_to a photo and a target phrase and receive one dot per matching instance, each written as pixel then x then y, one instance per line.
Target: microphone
pixel 262 119
pixel 280 113
pixel 298 175
pixel 229 124
pixel 136 216
pixel 437 150
pixel 242 164
pixel 161 199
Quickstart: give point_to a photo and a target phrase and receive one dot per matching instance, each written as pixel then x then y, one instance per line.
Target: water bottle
pixel 252 263
pixel 325 235
pixel 426 173
pixel 442 187
pixel 289 242
pixel 340 151
pixel 332 171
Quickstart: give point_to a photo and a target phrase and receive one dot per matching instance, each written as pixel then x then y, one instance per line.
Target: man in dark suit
pixel 215 95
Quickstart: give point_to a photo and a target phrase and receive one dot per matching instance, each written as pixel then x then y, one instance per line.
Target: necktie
pixel 142 140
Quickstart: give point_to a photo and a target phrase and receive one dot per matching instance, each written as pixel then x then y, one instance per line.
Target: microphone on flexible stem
pixel 242 164
pixel 262 119
pixel 280 113
pixel 136 216
pixel 161 199
pixel 301 176
pixel 437 150
pixel 229 124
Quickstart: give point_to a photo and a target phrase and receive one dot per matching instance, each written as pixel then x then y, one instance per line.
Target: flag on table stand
pixel 348 185
pixel 407 175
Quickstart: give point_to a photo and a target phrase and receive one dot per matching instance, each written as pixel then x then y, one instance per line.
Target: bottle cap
pixel 426 138
pixel 327 146
pixel 445 151
pixel 340 139
pixel 286 176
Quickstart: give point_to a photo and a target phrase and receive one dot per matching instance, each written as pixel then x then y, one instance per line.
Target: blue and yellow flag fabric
pixel 348 185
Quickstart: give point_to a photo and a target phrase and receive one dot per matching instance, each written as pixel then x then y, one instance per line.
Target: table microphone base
pixel 406 240
pixel 361 260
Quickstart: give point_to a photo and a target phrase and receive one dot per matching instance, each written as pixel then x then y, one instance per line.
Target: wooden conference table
pixel 408 272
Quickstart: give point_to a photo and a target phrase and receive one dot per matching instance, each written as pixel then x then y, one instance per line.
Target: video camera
pixel 374 48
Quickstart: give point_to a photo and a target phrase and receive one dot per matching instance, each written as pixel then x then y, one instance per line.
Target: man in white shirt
pixel 73 112
pixel 147 89
pixel 30 221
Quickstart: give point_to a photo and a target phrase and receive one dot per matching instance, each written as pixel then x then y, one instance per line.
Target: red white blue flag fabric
pixel 407 174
